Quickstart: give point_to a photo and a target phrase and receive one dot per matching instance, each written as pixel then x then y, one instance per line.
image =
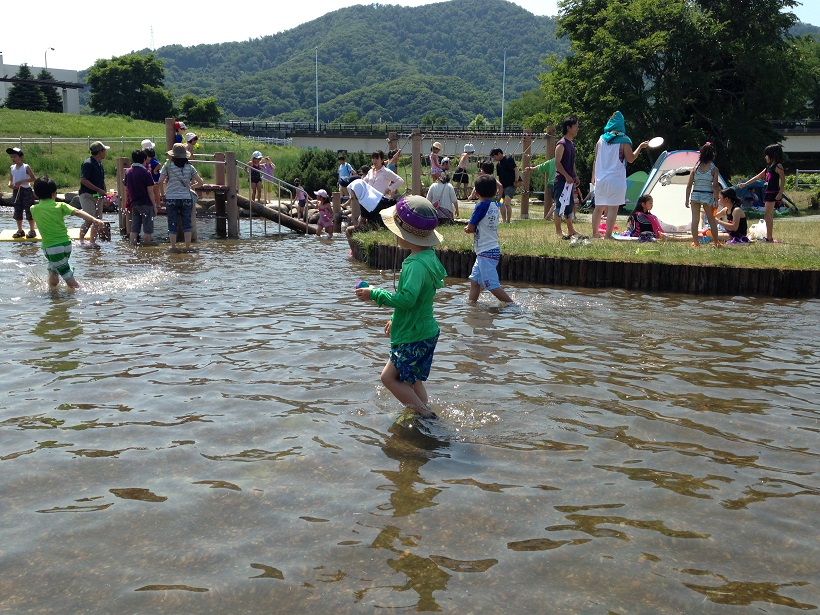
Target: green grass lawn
pixel 800 247
pixel 61 161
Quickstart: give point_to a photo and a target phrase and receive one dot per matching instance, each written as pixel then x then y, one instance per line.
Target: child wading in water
pixel 325 221
pixel 56 243
pixel 413 329
pixel 484 225
pixel 20 178
pixel 703 188
pixel 775 177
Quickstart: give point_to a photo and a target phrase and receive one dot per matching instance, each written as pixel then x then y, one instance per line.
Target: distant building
pixel 71 97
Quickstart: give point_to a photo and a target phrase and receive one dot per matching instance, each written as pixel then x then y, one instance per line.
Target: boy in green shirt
pixel 413 329
pixel 49 214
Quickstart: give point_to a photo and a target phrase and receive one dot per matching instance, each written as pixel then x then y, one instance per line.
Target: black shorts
pixel 23 200
pixel 374 217
pixel 461 176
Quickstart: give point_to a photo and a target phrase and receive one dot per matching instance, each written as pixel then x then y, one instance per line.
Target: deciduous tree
pixel 130 85
pixel 690 70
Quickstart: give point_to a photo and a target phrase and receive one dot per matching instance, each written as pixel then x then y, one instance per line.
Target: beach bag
pixel 758 231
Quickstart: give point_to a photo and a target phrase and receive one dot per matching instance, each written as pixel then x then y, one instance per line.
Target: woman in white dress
pixel 612 153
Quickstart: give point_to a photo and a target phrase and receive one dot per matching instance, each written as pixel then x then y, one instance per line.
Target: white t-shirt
pixel 442 195
pixel 366 194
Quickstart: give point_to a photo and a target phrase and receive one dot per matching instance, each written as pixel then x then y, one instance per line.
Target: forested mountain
pixel 377 61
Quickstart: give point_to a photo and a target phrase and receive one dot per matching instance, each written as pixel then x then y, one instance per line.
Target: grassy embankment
pixel 62 160
pixel 800 247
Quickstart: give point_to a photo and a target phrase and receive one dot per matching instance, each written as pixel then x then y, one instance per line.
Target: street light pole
pixel 45 57
pixel 317 88
pixel 503 85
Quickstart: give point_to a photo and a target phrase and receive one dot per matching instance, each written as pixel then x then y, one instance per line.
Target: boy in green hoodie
pixel 413 329
pixel 49 214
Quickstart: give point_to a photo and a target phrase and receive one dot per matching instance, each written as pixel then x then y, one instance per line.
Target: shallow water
pixel 207 434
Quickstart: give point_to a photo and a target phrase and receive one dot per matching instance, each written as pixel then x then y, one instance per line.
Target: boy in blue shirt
pixel 484 224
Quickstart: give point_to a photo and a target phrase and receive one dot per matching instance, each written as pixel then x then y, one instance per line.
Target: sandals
pixel 19 234
pixel 31 235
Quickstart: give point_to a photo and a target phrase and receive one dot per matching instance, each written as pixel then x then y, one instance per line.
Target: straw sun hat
pixel 413 219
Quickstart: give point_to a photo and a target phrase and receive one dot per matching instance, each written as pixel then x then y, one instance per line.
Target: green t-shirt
pixel 49 214
pixel 413 320
pixel 547 167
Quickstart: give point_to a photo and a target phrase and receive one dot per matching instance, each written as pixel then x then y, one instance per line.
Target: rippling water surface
pixel 207 434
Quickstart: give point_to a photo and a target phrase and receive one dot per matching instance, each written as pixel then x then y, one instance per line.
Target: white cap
pixel 147 144
pixel 189 136
pixel 256 154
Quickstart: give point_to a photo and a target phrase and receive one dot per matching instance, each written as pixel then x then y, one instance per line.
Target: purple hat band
pixel 412 222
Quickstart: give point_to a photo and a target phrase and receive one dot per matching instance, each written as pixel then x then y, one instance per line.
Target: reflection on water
pixel 207 433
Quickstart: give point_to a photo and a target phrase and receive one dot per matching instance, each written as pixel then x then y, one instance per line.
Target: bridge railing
pixel 250 127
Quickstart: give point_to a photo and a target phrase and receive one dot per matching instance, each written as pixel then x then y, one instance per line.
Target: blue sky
pixel 80 34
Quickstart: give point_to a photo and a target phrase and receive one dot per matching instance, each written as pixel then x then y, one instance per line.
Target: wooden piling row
pixel 639 276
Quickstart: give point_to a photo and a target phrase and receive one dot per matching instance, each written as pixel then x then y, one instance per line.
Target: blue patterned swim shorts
pixel 413 360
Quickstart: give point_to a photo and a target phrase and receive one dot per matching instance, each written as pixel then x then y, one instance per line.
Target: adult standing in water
pixel 181 177
pixel 92 187
pixel 612 152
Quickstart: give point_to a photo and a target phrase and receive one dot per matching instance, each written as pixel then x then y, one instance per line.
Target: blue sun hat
pixel 615 130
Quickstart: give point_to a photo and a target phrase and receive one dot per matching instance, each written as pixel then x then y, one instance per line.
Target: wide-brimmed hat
pixel 413 219
pixel 97 147
pixel 147 144
pixel 178 151
pixel 437 145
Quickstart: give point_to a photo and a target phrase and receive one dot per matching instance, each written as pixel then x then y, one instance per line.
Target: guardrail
pixel 808 172
pixel 124 144
pixel 243 126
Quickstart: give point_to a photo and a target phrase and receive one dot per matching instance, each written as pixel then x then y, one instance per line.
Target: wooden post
pixel 124 219
pixel 336 203
pixel 232 181
pixel 169 133
pixel 392 141
pixel 416 154
pixel 550 153
pixel 525 162
pixel 219 197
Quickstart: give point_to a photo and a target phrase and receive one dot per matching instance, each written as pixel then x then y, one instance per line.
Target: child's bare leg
pixel 72 283
pixel 501 295
pixel 403 391
pixel 475 291
pixel 695 220
pixel 421 392
pixel 557 221
pixel 768 217
pixel 713 226
pixel 53 279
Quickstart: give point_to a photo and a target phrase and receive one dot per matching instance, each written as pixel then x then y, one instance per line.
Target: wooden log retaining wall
pixel 641 276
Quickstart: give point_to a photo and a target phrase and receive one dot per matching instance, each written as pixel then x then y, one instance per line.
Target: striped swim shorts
pixel 57 257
